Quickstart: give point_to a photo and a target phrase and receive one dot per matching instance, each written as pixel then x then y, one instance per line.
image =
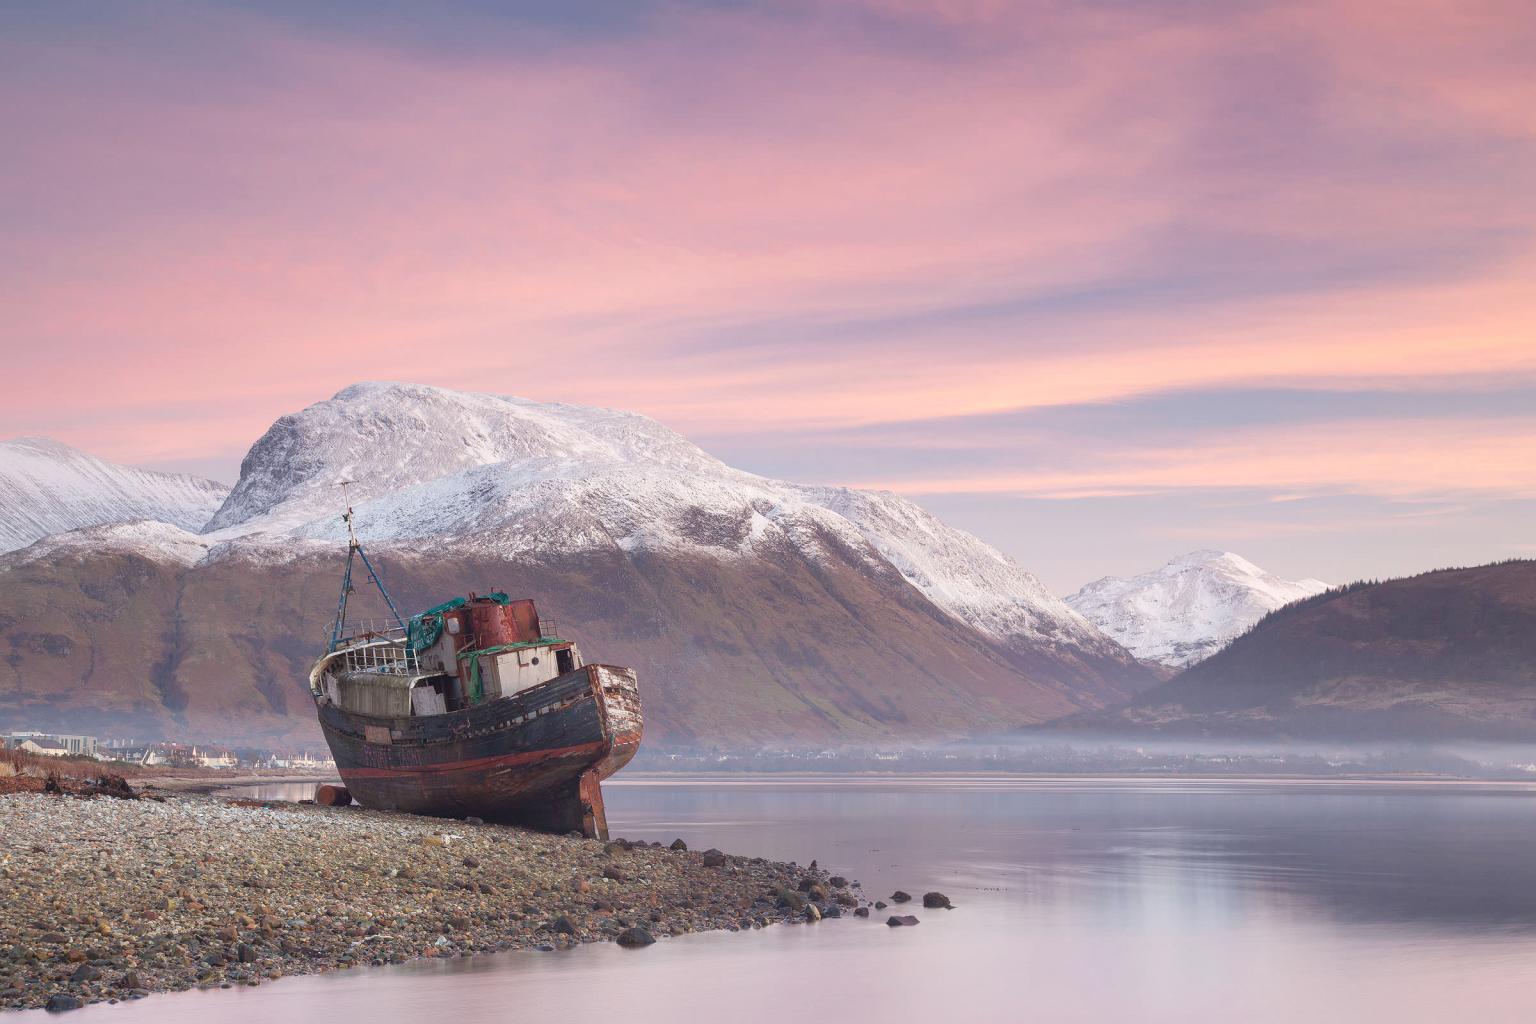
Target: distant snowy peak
pixel 518 478
pixel 47 487
pixel 1190 608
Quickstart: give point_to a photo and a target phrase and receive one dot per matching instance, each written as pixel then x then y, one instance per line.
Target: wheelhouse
pixel 462 653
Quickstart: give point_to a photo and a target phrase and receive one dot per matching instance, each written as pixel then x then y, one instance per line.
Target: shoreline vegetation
pixel 21 772
pixel 110 895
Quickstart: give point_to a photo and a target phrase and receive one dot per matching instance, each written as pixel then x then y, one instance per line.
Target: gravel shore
pixel 108 899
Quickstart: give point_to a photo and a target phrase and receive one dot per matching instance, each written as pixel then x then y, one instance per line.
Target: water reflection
pixel 292 792
pixel 1080 900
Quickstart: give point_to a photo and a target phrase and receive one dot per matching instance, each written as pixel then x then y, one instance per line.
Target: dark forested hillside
pixel 1446 653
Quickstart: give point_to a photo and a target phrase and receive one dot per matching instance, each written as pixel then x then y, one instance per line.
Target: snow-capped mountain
pixel 1188 609
pixel 754 609
pixel 516 478
pixel 47 488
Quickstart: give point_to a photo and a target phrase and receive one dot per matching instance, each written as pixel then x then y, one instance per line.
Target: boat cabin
pixel 459 654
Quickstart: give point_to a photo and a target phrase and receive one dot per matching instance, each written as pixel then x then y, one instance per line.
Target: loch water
pixel 1077 900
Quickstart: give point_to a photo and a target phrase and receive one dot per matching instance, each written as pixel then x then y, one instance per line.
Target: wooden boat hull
pixel 535 758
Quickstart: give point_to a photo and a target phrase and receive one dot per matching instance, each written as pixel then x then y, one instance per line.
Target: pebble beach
pixel 111 899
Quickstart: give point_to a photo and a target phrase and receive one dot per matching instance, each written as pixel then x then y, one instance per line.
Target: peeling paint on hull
pixel 535 758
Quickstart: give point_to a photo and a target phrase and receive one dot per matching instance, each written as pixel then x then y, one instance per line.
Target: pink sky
pixel 797 221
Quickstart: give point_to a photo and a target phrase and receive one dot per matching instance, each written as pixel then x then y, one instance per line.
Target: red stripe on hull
pixel 502 761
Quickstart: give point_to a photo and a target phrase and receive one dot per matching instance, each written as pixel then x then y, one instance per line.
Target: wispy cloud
pixel 1398 459
pixel 885 227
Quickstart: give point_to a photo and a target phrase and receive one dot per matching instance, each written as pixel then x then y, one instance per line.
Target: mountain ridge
pixel 1448 653
pixel 48 487
pixel 1190 607
pixel 829 612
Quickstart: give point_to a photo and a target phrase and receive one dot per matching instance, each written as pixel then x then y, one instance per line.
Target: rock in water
pixel 937 901
pixel 901 922
pixel 900 897
pixel 635 937
pixel 811 913
pixel 60 1001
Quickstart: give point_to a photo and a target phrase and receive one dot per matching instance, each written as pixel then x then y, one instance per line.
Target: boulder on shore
pixel 789 898
pixel 633 937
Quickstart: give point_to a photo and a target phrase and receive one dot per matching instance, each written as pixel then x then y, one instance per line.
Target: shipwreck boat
pixel 476 707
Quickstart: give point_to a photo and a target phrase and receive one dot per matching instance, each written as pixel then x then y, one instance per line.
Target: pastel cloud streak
pixel 798 219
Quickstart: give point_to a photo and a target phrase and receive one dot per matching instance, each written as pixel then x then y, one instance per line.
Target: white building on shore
pixel 50 744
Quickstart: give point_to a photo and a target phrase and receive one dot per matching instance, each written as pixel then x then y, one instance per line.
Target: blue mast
pixel 355 547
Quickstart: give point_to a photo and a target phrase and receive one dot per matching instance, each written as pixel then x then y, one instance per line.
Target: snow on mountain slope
pixel 1188 609
pixel 521 478
pixel 156 541
pixel 970 579
pixel 757 611
pixel 47 488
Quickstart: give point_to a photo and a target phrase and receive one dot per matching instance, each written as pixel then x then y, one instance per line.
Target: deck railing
pixel 379 645
pixel 380 653
pixel 360 628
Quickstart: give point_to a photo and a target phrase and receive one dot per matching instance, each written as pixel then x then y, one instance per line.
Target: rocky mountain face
pixel 755 609
pixel 1190 608
pixel 47 488
pixel 1441 655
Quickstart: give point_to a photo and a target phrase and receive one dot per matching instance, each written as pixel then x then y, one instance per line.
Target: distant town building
pixel 185 755
pixel 214 757
pixel 50 744
pixel 45 747
pixel 306 761
pixel 176 755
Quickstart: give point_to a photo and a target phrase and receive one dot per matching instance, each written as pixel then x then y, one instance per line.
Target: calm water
pixel 1093 900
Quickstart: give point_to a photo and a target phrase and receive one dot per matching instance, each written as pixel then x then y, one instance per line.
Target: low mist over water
pixel 1077 900
pixel 1045 750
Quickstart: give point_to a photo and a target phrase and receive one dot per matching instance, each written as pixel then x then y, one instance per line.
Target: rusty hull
pixel 535 758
